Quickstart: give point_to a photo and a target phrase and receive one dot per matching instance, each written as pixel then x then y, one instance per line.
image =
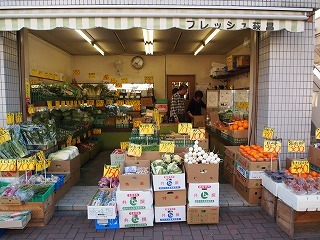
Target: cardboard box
pixel 70 166
pixel 232 151
pixel 200 173
pixel 199 121
pixel 232 62
pixel 229 165
pixel 243 61
pixel 146 102
pixel 135 181
pixel 146 155
pixel 202 215
pixel 170 214
pixel 136 218
pixel 169 181
pixel 314 156
pixel 101 212
pixel 249 174
pixel 15 224
pixel 170 198
pixel 10 201
pixel 248 183
pixel 251 195
pixel 134 200
pixel 162 108
pixel 238 133
pixel 203 194
pixel 230 177
pixel 214 116
pixel 74 178
pixel 256 166
pixel 117 157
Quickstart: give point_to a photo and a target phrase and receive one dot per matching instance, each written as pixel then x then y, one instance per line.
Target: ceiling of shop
pixel 171 41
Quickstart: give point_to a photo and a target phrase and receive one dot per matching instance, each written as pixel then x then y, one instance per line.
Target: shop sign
pixel 10 118
pixel 26 164
pixel 18 117
pixel 268 133
pixel 197 134
pixel 146 128
pixel 272 146
pixel 8 165
pixel 134 150
pixel 184 128
pixel 166 147
pixel 124 145
pixel 296 146
pixel 300 166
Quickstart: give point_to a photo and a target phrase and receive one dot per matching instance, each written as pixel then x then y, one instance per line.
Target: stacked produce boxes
pixel 229 164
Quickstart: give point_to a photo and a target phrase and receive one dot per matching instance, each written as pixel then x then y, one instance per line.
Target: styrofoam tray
pixel 299 202
pixel 271 185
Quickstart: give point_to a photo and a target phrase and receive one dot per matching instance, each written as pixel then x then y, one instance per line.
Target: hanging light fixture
pixel 148 41
pixel 92 42
pixel 206 41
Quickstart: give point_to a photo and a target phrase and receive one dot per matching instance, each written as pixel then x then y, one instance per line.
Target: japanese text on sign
pixel 184 128
pixel 111 171
pixel 134 150
pixel 300 166
pixel 19 117
pixel 97 131
pixel 92 75
pixel 268 133
pixel 90 102
pixel 197 134
pixel 8 165
pixel 296 146
pixel 272 146
pixel 10 118
pixel 100 103
pixel 4 136
pixel 136 123
pixel 124 145
pixel 146 128
pixel 166 146
pixel 318 133
pixel 57 103
pixel 26 164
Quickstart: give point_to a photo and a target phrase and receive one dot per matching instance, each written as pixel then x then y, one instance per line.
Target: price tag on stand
pixel 49 104
pixel 166 146
pixel 57 104
pixel 31 109
pixel 317 133
pixel 296 146
pixel 90 102
pixel 134 150
pixel 272 146
pixel 18 117
pixel 26 164
pixel 4 136
pixel 10 118
pixel 63 103
pixel 268 133
pixel 300 166
pixel 136 123
pixel 197 134
pixel 96 131
pixel 146 128
pixel 111 171
pixel 124 145
pixel 100 103
pixel 184 128
pixel 8 165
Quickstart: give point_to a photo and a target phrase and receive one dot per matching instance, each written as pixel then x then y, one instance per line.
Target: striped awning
pixel 188 19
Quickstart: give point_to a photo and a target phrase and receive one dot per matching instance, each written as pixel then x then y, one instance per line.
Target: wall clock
pixel 137 62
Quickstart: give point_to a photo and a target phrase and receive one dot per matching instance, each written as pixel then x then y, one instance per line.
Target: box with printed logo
pixel 136 218
pixel 134 200
pixel 203 194
pixel 170 214
pixel 167 182
pixel 170 198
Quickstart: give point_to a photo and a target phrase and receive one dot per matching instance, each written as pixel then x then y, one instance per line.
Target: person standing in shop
pixel 195 105
pixel 177 108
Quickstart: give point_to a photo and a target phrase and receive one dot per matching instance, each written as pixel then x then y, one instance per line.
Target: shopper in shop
pixel 177 108
pixel 195 105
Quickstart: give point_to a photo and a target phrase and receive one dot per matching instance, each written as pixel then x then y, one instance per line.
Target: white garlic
pixel 190 149
pixel 204 161
pixel 211 154
pixel 196 142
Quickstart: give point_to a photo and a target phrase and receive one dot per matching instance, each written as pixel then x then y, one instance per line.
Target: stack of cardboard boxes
pixel 229 168
pixel 135 197
pixel 203 193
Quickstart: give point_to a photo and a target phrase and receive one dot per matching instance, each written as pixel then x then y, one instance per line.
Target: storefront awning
pixel 188 19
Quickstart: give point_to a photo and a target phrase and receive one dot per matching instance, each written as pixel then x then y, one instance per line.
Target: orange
pixel 245 125
pixel 314 174
pixel 290 169
pixel 241 146
pixel 241 128
pixel 231 128
pixel 304 175
pixel 240 124
pixel 235 127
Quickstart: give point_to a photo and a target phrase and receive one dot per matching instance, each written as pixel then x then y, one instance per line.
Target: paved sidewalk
pixel 235 223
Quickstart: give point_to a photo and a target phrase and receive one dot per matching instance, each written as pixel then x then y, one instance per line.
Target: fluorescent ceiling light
pixel 316 72
pixel 199 49
pixel 84 36
pixel 212 35
pixel 98 49
pixel 148 41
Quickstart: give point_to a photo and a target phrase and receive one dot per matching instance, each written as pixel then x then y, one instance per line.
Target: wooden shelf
pixel 232 73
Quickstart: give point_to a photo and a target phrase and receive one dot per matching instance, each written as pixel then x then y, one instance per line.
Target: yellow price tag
pixel 19 117
pixel 31 109
pixel 90 102
pixel 146 128
pixel 136 123
pixel 268 133
pixel 4 136
pixel 300 166
pixel 8 165
pixel 10 118
pixel 124 145
pixel 272 146
pixel 111 171
pixel 96 131
pixel 26 164
pixel 197 134
pixel 63 103
pixel 124 80
pixel 100 103
pixel 166 146
pixel 296 146
pixel 49 104
pixel 134 150
pixel 318 133
pixel 113 80
pixel 57 104
pixel 184 128
pixel 78 140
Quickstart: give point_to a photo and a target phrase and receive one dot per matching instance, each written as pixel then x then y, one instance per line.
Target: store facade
pixel 281 70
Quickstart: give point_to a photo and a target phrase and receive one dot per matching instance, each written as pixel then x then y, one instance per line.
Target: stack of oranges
pixel 239 125
pixel 255 153
pixel 311 174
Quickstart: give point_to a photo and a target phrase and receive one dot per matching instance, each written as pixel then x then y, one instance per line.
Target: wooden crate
pixel 298 224
pixel 268 202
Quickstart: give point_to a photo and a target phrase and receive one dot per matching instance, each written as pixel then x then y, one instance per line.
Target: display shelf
pixel 232 73
pixel 34 80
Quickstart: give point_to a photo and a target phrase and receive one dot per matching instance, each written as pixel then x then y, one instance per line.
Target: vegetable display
pixel 104 198
pixel 108 182
pixel 197 155
pixel 168 164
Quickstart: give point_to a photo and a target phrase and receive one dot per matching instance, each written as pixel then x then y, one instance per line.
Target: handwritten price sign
pixel 296 146
pixel 268 133
pixel 100 103
pixel 97 131
pixel 90 102
pixel 4 136
pixel 134 150
pixel 184 128
pixel 318 133
pixel 26 164
pixel 136 123
pixel 272 146
pixel 18 117
pixel 10 118
pixel 166 146
pixel 197 134
pixel 8 165
pixel 124 145
pixel 300 166
pixel 111 171
pixel 57 104
pixel 146 128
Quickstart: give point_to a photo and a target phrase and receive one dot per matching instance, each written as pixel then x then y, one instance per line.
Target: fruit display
pixel 278 175
pixel 105 182
pixel 219 125
pixel 255 153
pixel 168 164
pixel 301 186
pixel 197 155
pixel 239 125
pixel 311 174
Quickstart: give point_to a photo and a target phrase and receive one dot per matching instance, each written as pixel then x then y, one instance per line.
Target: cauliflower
pixel 166 157
pixel 177 159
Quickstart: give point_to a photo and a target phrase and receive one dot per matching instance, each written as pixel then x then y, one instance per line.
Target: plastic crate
pixel 238 141
pixel 59 183
pixel 224 136
pixel 110 224
pixel 42 197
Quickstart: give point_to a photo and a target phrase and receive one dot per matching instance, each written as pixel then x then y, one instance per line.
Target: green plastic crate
pixel 3 184
pixel 161 101
pixel 43 197
pixel 238 141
